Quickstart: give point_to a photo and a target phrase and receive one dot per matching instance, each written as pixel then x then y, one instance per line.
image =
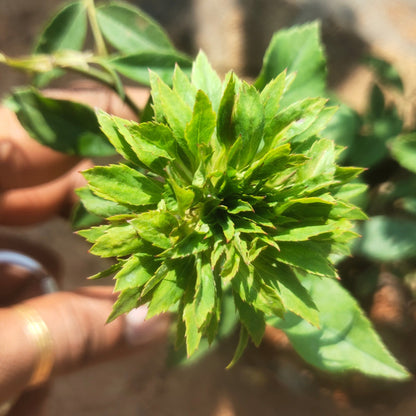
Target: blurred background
pixel 272 380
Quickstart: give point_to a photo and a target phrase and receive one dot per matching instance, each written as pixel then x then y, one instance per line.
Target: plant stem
pixel 107 80
pixel 96 32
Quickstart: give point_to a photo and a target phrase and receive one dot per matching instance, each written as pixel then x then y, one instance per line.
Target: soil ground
pixel 270 380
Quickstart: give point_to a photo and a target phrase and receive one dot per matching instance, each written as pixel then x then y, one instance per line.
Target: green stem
pixel 96 32
pixel 80 66
pixel 107 80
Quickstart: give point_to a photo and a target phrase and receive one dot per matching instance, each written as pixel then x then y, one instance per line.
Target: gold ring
pixel 37 330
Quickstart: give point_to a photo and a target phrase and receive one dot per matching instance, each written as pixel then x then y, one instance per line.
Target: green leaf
pixel 387 239
pixel 284 281
pixel 135 273
pixel 307 255
pixel 205 292
pixel 99 206
pixel 243 225
pixel 199 130
pixel 176 112
pixel 217 252
pixel 367 151
pixel 342 129
pixel 228 228
pixel 347 174
pixel 129 30
pixel 235 154
pixel 385 71
pixel 312 127
pixel 256 248
pixel 135 66
pixel 231 264
pixel 148 113
pixel 292 121
pixel 271 95
pixel 237 206
pixel 115 128
pixel 408 204
pixel 273 162
pixel 206 79
pixel 248 120
pixel 388 126
pixel 225 127
pixel 346 211
pixel 354 193
pixel 403 149
pixel 166 294
pixel 157 277
pixel 93 233
pixel 245 284
pixel 192 333
pixel 66 30
pixel 299 50
pixel 269 301
pixel 108 272
pixel 252 319
pixel 155 227
pixel 126 301
pixel 321 162
pixel 227 324
pixel 377 104
pixel 151 145
pixel 305 233
pixel 308 206
pixel 62 125
pixel 183 87
pixel 80 218
pixel 193 243
pixel 345 339
pixel 242 344
pixel 184 197
pixel 119 183
pixel 118 240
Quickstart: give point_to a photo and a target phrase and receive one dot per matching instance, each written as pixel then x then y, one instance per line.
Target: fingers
pixel 25 206
pixel 104 99
pixel 23 161
pixel 76 321
pixel 30 403
pixel 82 337
pixel 26 163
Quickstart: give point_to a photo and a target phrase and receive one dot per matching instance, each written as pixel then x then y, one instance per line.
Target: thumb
pixel 76 322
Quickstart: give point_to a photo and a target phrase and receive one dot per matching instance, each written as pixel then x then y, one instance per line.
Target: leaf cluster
pixel 229 207
pixel 224 189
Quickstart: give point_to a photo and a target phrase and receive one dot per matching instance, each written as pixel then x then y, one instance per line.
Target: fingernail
pixel 138 331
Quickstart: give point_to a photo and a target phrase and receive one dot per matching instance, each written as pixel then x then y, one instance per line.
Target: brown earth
pixel 270 380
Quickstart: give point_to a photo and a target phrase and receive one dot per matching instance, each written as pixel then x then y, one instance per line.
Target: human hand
pixel 75 323
pixel 37 183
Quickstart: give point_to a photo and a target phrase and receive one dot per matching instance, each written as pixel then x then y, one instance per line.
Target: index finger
pixel 25 163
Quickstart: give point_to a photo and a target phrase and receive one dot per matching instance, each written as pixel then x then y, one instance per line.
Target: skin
pixel 37 183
